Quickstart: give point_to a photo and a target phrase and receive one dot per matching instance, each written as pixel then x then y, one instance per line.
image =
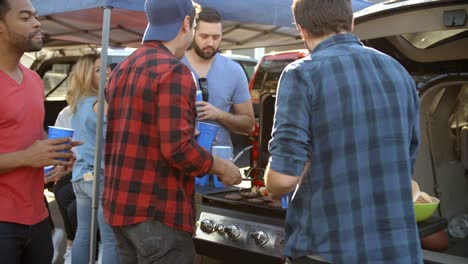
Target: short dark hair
pixel 209 15
pixel 4 8
pixel 323 17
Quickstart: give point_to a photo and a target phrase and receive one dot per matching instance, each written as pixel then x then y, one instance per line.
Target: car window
pixel 431 39
pixel 249 68
pixel 267 77
pixel 56 81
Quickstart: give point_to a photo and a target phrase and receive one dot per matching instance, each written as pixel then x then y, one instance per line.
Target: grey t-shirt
pixel 227 85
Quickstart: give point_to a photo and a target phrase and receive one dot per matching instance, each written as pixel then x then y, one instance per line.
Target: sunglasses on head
pixel 203 84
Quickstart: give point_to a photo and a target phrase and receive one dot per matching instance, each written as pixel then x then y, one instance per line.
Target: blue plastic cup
pixel 285 201
pixel 60 132
pixel 47 170
pixel 224 152
pixel 199 96
pixel 207 134
pixel 203 180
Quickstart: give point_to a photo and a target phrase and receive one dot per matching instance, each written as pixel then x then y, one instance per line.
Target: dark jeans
pixel 26 244
pixel 66 201
pixel 154 242
pixel 49 218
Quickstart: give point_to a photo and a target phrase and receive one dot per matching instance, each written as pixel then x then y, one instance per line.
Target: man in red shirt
pixel 151 154
pixel 25 235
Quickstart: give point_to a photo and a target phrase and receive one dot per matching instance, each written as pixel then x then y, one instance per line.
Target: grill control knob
pixel 220 229
pixel 207 226
pixel 260 237
pixel 232 231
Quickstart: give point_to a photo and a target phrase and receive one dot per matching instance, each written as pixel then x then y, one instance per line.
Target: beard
pixel 34 45
pixel 25 43
pixel 204 53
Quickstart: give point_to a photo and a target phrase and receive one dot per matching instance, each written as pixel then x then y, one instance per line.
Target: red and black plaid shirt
pixel 151 155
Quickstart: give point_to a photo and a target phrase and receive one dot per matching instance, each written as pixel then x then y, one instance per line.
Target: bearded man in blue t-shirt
pixel 228 104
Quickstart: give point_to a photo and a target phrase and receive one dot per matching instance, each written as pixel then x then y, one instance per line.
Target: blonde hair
pixel 81 82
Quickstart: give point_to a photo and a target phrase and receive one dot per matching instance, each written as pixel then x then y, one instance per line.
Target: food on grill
pixel 275 204
pixel 254 189
pixel 263 191
pixel 233 196
pixel 248 194
pixel 256 200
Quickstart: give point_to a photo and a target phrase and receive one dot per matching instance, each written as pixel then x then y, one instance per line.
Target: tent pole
pixel 99 133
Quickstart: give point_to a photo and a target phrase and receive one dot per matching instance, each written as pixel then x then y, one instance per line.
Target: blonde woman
pixel 82 97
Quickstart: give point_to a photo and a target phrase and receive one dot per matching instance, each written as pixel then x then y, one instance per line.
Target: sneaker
pixel 57 238
pixel 67 256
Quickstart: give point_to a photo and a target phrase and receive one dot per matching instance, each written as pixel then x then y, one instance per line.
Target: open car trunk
pixel 441 166
pixel 430 39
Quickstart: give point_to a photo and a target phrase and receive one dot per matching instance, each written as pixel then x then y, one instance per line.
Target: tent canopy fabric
pixel 246 24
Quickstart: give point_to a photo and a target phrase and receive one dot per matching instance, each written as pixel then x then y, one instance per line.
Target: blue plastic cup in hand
pixel 224 152
pixel 207 134
pixel 203 180
pixel 199 96
pixel 60 132
pixel 285 201
pixel 47 170
pixel 205 139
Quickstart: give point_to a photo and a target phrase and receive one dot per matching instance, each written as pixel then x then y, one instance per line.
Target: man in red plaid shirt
pixel 151 154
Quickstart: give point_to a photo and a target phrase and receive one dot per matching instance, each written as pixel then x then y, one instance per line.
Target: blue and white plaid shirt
pixel 353 112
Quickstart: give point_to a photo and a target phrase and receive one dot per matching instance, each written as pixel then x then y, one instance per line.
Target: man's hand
pixel 56 174
pixel 206 111
pixel 46 152
pixel 230 174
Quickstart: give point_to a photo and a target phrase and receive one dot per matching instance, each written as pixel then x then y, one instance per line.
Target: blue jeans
pixel 26 243
pixel 80 251
pixel 152 242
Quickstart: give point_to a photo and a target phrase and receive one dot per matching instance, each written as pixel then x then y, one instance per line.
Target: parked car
pixel 267 73
pixel 430 39
pixel 247 63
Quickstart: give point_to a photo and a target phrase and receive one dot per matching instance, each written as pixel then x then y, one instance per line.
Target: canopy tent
pixel 247 23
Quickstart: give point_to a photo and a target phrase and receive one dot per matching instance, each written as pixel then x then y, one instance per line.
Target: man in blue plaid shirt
pixel 356 126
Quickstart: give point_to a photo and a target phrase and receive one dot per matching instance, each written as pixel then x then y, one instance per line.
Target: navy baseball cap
pixel 165 18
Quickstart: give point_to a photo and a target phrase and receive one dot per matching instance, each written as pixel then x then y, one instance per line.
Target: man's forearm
pixel 11 161
pixel 243 124
pixel 279 184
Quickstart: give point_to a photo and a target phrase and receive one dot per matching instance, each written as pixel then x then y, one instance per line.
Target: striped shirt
pixel 356 120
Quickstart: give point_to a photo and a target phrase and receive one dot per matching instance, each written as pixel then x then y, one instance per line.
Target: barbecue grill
pixel 237 230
